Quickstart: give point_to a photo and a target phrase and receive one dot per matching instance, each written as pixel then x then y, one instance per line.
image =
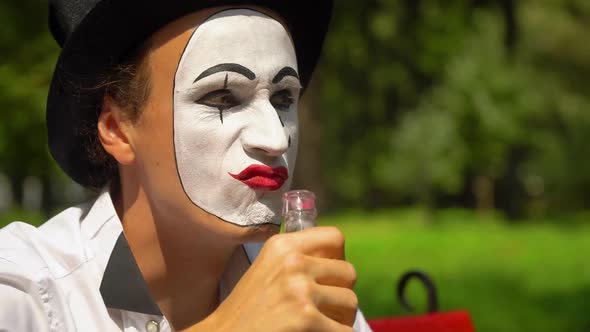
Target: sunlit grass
pixel 529 277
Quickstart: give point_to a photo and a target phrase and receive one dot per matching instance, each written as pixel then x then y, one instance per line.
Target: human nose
pixel 266 133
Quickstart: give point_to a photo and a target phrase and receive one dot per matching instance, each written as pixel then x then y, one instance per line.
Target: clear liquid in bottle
pixel 299 210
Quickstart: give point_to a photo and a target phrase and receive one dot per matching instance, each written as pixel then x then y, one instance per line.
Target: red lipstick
pixel 262 177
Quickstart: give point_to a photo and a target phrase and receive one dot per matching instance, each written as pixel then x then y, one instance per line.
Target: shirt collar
pixel 101 213
pixel 123 287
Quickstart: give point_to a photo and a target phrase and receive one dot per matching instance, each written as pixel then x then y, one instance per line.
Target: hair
pixel 127 82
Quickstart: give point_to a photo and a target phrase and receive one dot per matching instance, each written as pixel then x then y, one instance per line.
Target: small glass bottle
pixel 299 211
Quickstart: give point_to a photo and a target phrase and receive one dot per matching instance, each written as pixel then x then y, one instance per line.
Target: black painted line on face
pixel 282 123
pixel 225 88
pixel 286 71
pixel 231 67
pixel 289 140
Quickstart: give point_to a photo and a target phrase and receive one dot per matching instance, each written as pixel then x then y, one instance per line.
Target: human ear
pixel 113 132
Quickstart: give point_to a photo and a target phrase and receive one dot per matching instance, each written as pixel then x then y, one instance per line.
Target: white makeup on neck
pixel 235 116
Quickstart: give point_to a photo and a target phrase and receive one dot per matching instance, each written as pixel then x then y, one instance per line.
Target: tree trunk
pixel 46 197
pixel 16 186
pixel 509 9
pixel 308 169
pixel 483 190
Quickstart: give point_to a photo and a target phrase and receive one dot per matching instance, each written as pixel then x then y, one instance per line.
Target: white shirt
pixel 76 273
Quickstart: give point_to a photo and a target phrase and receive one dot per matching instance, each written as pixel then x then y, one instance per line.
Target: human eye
pixel 282 100
pixel 222 99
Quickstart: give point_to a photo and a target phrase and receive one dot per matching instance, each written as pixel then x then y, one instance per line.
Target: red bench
pixel 455 321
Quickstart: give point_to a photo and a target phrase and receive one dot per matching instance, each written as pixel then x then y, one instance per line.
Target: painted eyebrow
pixel 286 71
pixel 231 67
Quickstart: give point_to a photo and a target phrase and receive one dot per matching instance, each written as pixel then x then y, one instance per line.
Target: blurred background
pixel 450 136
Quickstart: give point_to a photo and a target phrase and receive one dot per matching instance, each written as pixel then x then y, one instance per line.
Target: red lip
pixel 262 177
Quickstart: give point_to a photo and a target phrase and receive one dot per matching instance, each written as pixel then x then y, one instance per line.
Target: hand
pixel 299 282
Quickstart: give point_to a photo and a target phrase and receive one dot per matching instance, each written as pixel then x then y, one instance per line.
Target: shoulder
pixel 31 260
pixel 55 247
pixel 21 310
pixel 22 306
pixel 29 303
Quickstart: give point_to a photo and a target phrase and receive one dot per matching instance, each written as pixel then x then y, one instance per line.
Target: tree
pixel 444 102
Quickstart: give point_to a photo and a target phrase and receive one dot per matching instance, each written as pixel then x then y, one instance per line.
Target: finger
pixel 326 242
pixel 324 323
pixel 337 303
pixel 330 272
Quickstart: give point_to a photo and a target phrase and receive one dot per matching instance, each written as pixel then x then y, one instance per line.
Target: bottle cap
pixel 298 200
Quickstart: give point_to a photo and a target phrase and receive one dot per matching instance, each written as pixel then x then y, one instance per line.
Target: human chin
pixel 232 193
pixel 257 191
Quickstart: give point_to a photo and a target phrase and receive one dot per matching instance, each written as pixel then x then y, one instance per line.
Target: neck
pixel 181 262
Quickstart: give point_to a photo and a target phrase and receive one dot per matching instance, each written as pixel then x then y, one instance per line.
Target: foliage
pixel 16 214
pixel 429 97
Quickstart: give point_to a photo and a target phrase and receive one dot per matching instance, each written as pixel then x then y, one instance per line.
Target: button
pixel 152 326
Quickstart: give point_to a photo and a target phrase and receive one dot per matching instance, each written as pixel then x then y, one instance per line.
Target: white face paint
pixel 235 116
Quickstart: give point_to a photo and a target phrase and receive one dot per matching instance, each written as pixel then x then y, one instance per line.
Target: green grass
pixel 521 278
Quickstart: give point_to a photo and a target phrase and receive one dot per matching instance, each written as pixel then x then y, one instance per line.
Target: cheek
pixel 155 122
pixel 199 134
pixel 292 126
pixel 292 152
pixel 207 150
pixel 292 130
pixel 154 148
